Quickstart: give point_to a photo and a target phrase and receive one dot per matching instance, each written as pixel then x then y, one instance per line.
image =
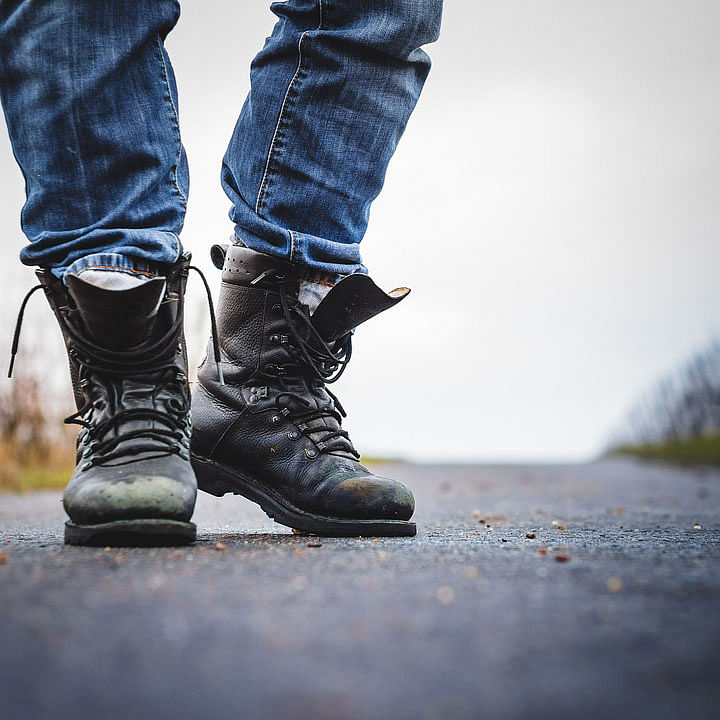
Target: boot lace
pixel 314 363
pixel 162 431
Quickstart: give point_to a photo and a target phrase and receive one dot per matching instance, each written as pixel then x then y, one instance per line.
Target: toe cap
pixel 371 497
pixel 162 490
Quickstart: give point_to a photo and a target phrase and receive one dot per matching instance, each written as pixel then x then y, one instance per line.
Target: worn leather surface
pixel 250 424
pixel 150 483
pixel 117 318
pixel 353 301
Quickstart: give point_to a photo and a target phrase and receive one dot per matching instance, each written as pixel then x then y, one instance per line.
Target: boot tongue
pixel 352 301
pixel 117 318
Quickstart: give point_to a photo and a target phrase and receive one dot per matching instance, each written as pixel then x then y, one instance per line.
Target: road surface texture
pixel 612 610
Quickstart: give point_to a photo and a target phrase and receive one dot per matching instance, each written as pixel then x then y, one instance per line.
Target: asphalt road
pixel 611 611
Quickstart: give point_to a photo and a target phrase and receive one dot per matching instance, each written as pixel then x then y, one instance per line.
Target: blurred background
pixel 553 205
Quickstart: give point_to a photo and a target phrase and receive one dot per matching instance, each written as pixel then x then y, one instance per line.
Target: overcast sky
pixel 554 205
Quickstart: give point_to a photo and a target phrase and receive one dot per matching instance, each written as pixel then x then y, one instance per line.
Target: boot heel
pixel 210 478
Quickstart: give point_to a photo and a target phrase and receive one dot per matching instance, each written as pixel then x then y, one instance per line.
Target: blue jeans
pixel 91 104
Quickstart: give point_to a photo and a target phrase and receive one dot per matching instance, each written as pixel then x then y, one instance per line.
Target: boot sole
pixel 219 480
pixel 131 533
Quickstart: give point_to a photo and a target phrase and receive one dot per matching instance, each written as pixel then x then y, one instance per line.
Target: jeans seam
pixel 284 110
pixel 176 124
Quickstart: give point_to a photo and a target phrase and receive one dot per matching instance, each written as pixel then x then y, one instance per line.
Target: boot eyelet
pixel 293 435
pixel 310 452
pixel 275 419
pixel 277 309
pixel 275 339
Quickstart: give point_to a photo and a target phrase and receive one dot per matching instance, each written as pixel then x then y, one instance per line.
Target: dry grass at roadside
pixel 36 450
pixel 20 473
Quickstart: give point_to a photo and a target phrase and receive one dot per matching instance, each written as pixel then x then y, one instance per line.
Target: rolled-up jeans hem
pixel 113 262
pixel 314 269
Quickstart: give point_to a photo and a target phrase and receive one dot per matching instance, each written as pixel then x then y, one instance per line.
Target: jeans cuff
pixel 112 262
pixel 311 274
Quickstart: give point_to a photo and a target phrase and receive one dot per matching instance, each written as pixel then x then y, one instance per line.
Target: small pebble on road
pixel 445 595
pixel 614 584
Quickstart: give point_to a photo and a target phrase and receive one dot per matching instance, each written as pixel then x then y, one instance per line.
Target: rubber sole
pixel 219 480
pixel 131 533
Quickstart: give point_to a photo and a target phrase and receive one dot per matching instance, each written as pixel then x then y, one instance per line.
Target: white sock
pixel 112 279
pixel 313 291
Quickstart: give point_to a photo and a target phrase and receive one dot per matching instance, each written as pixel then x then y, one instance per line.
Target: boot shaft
pixel 121 332
pixel 253 322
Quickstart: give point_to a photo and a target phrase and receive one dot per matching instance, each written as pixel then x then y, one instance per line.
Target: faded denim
pixel 91 105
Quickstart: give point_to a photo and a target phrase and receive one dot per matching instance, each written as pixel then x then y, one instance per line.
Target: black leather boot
pixel 273 431
pixel 133 484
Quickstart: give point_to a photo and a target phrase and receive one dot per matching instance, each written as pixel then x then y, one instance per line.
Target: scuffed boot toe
pixel 154 489
pixel 370 497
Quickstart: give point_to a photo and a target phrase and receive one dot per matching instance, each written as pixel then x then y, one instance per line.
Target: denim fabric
pixel 331 93
pixel 91 105
pixel 90 102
